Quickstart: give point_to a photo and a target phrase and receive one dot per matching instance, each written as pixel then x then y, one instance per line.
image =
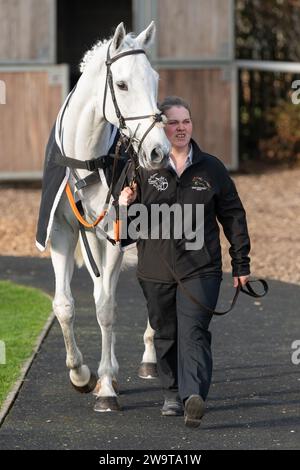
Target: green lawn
pixel 23 313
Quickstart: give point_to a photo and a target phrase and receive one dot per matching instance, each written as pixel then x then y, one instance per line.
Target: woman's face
pixel 179 127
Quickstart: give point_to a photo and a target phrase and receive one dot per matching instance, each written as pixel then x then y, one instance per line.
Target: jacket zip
pixel 173 234
pixel 177 180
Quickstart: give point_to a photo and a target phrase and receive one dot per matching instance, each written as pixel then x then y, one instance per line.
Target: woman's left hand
pixel 243 280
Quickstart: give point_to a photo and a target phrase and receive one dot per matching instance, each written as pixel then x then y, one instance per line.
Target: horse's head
pixel 132 95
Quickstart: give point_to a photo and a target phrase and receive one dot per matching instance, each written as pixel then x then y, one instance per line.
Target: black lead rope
pixel 251 292
pixel 247 289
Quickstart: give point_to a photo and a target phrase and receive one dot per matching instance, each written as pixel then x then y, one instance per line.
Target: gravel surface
pixel 271 200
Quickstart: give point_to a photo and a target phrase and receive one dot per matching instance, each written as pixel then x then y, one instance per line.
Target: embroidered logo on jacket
pixel 200 184
pixel 159 182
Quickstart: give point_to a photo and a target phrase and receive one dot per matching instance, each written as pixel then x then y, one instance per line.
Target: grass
pixel 23 313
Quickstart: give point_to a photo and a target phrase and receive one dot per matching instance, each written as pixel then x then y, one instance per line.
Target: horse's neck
pixel 86 134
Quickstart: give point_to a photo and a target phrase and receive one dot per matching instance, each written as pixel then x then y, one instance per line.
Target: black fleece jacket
pixel 206 181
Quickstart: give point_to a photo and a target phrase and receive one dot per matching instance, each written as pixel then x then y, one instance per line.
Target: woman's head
pixel 171 101
pixel 179 127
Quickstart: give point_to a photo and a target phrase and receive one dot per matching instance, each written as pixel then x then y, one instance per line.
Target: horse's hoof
pixel 96 390
pixel 89 387
pixel 106 404
pixel 148 370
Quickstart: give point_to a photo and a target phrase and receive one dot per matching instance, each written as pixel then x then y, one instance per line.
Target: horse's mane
pixel 91 53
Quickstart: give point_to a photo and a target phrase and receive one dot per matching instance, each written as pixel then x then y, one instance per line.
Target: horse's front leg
pixel 109 260
pixel 63 241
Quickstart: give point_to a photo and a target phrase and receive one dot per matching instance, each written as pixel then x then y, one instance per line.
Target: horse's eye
pixel 122 86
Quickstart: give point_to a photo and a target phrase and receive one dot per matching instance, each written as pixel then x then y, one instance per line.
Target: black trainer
pixel 172 407
pixel 193 411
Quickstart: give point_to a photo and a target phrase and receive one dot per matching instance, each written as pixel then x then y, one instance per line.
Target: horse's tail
pixel 78 255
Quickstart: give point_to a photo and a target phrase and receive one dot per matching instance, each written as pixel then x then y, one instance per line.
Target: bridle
pixel 157 117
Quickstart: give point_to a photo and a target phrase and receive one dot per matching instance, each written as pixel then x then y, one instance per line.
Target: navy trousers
pixel 182 339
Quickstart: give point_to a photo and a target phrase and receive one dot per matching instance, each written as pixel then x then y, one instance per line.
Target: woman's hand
pixel 128 195
pixel 243 279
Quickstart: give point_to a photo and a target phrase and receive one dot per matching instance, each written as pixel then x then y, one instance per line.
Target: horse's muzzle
pixel 158 158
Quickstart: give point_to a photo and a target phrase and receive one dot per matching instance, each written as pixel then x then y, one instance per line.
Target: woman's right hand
pixel 128 195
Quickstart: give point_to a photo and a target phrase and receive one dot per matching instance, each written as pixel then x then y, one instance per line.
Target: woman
pixel 182 338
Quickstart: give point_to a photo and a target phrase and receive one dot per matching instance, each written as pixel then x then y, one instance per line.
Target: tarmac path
pixel 254 400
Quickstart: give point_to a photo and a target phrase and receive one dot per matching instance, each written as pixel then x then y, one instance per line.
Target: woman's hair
pixel 171 101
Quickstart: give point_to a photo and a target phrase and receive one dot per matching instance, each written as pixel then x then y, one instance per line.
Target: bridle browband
pixel 157 117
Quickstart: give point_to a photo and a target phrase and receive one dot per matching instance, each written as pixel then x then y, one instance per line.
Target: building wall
pixel 194 54
pixel 34 95
pixel 27 32
pixel 35 35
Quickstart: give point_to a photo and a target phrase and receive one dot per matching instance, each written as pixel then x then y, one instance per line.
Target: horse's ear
pixel 119 35
pixel 146 37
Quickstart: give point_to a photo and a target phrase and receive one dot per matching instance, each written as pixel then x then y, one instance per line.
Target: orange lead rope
pixel 117 229
pixel 77 213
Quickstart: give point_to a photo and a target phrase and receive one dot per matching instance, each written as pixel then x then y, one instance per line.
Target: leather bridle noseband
pixel 157 117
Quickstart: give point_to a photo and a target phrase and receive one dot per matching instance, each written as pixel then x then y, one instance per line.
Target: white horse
pixel 86 129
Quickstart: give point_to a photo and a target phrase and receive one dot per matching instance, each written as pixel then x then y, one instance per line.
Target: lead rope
pixel 77 214
pixel 131 166
pixel 239 289
pixel 73 204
